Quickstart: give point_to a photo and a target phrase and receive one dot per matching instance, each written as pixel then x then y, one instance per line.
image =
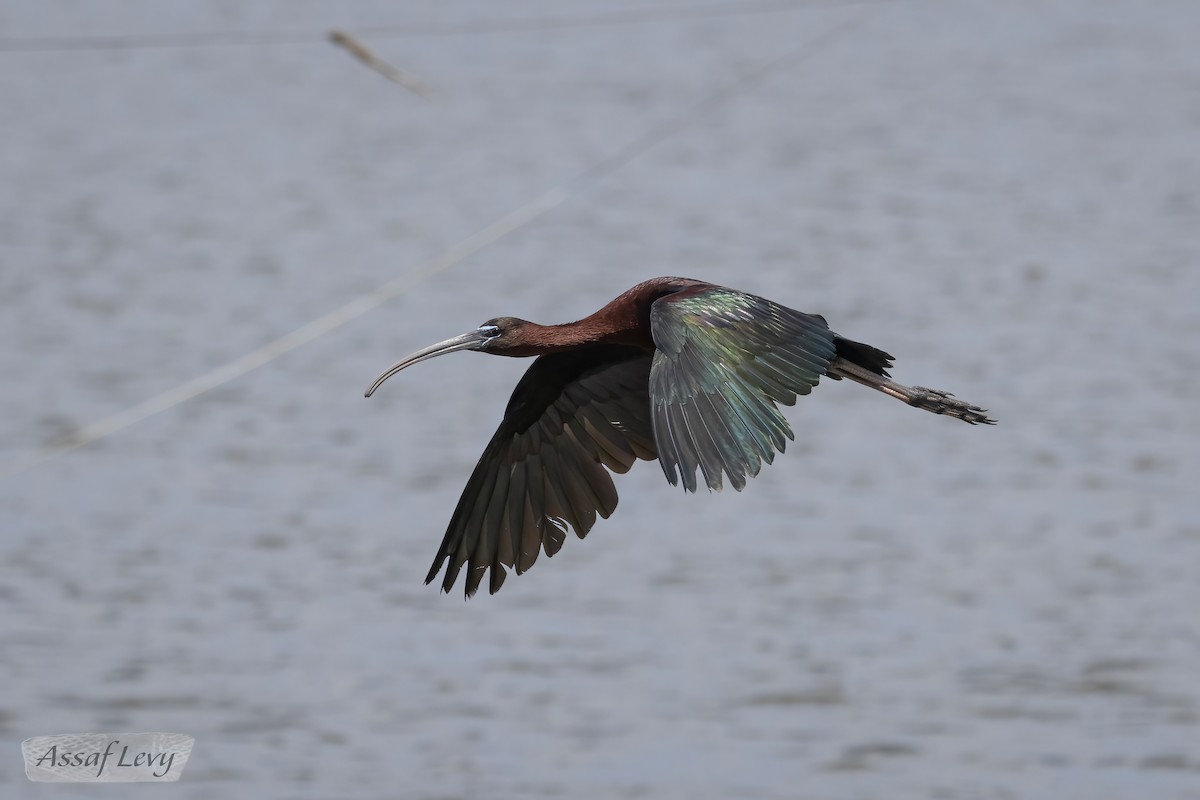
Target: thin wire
pixel 288 342
pixel 510 222
pixel 148 41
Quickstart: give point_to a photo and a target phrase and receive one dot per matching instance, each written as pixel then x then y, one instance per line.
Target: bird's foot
pixel 939 402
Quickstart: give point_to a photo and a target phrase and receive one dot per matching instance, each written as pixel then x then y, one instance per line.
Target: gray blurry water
pixel 1003 195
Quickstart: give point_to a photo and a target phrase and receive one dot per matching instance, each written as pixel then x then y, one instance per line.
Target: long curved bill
pixel 467 341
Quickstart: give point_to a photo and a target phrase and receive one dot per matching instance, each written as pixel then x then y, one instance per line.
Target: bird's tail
pixel 867 365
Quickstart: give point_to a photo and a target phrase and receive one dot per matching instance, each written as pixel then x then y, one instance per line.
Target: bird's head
pixel 500 335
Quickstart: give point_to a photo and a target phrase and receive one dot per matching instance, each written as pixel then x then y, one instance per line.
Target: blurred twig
pixel 359 51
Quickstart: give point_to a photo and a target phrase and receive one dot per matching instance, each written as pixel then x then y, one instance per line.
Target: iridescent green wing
pixel 572 415
pixel 724 361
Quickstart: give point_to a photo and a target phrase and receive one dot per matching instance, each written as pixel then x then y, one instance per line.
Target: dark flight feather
pixel 573 416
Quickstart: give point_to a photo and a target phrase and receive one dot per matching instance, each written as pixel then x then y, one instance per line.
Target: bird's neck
pixel 624 321
pixel 586 332
pixel 598 329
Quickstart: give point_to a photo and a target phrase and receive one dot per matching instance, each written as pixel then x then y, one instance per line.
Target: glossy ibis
pixel 676 369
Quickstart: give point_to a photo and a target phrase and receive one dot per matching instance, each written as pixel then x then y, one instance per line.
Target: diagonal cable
pixel 473 27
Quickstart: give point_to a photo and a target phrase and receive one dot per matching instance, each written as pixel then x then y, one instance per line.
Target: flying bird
pixel 681 370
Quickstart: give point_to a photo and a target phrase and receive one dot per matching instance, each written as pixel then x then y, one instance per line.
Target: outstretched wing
pixel 724 360
pixel 572 415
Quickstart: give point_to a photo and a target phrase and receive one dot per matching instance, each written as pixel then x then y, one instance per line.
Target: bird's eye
pixel 490 331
